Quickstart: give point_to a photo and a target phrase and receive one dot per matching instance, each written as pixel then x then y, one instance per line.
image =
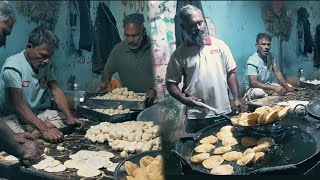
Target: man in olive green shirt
pixel 132 60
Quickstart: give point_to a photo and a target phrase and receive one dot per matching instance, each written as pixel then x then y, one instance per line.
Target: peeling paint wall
pixel 238 22
pixel 235 22
pixel 68 63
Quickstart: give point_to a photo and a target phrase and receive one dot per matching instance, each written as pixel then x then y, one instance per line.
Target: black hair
pixel 42 35
pixel 263 35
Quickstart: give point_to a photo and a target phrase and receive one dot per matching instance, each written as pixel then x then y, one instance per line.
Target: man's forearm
pixel 25 113
pixel 8 142
pixel 281 79
pixel 22 110
pixel 61 101
pixel 174 91
pixel 263 86
pixel 233 85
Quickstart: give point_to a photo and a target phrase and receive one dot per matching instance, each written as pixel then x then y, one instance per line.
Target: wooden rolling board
pixel 301 95
pixel 72 143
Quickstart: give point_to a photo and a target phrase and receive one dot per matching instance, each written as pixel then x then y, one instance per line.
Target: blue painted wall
pixel 236 22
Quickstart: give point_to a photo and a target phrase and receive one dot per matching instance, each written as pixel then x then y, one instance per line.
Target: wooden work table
pixel 301 95
pixel 72 143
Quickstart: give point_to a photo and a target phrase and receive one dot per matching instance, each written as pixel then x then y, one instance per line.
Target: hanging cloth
pixel 81 25
pixel 106 37
pixel 316 60
pixel 178 31
pixel 304 33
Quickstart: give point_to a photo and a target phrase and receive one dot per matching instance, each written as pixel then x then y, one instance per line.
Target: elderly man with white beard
pixel 208 70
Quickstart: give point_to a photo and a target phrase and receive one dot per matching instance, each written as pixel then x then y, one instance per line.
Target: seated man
pixel 132 59
pixel 21 145
pixel 259 67
pixel 24 78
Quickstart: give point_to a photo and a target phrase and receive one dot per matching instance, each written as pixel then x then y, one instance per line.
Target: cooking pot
pixel 296 149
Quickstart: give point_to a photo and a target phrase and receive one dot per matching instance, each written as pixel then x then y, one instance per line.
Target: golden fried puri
pixel 130 167
pixel 212 161
pixel 199 157
pixel 222 150
pixel 225 169
pixel 209 140
pixel 204 148
pixel 232 156
pixel 146 160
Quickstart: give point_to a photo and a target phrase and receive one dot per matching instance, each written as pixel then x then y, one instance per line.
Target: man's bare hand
pixel 280 90
pixel 290 89
pixel 151 95
pixel 52 135
pixel 238 104
pixel 32 150
pixel 73 121
pixel 104 87
pixel 24 137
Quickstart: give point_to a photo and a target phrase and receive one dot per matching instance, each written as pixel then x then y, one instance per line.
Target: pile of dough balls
pixel 127 137
pixel 112 112
pixel 212 157
pixel 315 81
pixel 122 94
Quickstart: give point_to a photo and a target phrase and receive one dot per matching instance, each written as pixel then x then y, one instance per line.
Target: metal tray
pixel 310 85
pixel 132 105
pixel 97 116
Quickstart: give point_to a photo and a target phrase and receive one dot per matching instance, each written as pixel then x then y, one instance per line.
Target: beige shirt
pixel 135 69
pixel 205 75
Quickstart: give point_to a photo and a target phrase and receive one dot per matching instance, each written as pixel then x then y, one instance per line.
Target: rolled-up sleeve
pixel 12 79
pixel 229 60
pixel 252 68
pixel 174 70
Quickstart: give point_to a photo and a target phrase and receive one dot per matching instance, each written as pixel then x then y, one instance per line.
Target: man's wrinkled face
pixel 133 34
pixel 195 28
pixel 39 55
pixel 263 47
pixel 5 30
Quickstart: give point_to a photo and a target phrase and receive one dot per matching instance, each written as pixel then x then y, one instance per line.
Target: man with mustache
pixel 208 71
pixel 23 79
pixel 259 67
pixel 20 145
pixel 132 60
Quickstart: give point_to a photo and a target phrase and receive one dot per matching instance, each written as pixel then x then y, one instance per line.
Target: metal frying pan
pixel 296 149
pixel 312 108
pixel 216 111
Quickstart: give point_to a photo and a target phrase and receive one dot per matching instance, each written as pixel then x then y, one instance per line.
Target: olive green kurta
pixel 135 69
